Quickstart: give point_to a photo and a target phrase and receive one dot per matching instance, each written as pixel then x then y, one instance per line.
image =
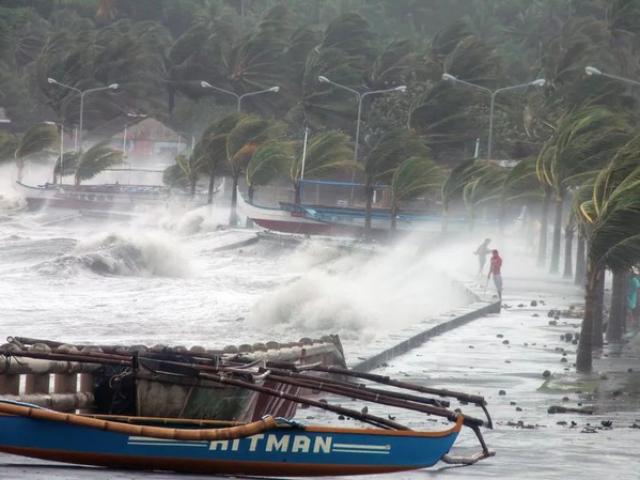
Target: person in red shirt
pixel 494 269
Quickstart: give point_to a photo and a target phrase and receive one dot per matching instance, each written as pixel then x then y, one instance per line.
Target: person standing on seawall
pixel 494 269
pixel 482 251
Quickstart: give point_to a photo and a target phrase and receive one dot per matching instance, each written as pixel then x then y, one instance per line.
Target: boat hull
pixel 295 451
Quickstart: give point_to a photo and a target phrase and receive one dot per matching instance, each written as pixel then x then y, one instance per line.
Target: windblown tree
pixel 271 162
pixel 95 160
pixel 242 142
pixel 583 141
pixel 183 174
pixel 210 153
pixel 384 156
pixel 613 242
pixel 327 153
pixel 414 177
pixel 37 139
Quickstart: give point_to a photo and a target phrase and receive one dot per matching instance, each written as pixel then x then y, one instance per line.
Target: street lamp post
pixel 360 97
pixel 493 93
pixel 589 70
pixel 239 98
pixel 82 93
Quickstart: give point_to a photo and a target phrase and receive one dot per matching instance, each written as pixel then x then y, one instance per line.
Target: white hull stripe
pixel 356 446
pixel 367 452
pixel 154 444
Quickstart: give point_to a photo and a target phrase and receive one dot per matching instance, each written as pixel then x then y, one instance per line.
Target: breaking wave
pixel 132 254
pixel 359 297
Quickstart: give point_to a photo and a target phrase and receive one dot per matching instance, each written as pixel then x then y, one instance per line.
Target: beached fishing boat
pixel 267 447
pixel 103 198
pixel 340 221
pixel 108 379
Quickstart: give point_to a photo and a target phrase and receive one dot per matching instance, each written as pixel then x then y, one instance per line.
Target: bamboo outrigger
pixel 268 446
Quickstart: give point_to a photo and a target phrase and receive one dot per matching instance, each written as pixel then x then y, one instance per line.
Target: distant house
pixel 145 139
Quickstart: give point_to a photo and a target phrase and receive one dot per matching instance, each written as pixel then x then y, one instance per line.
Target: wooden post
pixel 86 379
pixel 37 382
pixel 65 382
pixel 9 383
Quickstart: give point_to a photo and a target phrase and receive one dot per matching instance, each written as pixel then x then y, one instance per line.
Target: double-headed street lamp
pixel 82 93
pixel 595 71
pixel 239 98
pixel 360 97
pixel 493 93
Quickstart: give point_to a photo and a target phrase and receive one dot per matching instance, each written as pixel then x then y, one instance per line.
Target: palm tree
pixel 95 160
pixel 414 177
pixel 384 157
pixel 271 161
pixel 613 241
pixel 484 187
pixel 583 141
pixel 35 140
pixel 183 174
pixel 210 153
pixel 66 165
pixel 327 152
pixel 242 142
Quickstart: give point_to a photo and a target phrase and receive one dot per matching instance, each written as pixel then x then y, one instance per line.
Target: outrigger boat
pixel 326 220
pixel 269 446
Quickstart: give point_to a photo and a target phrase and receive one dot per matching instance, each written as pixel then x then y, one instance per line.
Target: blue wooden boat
pixel 267 447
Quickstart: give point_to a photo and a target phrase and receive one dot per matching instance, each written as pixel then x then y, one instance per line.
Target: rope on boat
pixel 229 433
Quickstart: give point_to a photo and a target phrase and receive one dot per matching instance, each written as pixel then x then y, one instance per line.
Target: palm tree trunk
pixel 544 220
pixel 618 310
pixel 297 199
pixel 557 235
pixel 233 215
pixel 212 181
pixel 192 187
pixel 568 250
pixel 580 261
pixel 367 216
pixel 251 192
pixel 584 357
pixel 394 223
pixel 445 220
pixel 597 340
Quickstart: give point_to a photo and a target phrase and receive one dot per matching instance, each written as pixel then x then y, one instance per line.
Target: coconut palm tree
pixel 183 174
pixel 327 152
pixel 583 141
pixel 38 138
pixel 271 161
pixel 613 242
pixel 384 157
pixel 66 165
pixel 483 188
pixel 414 177
pixel 210 153
pixel 96 159
pixel 242 142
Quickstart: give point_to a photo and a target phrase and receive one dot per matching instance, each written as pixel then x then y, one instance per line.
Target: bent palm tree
pixel 35 140
pixel 613 240
pixel 242 142
pixel 414 177
pixel 384 158
pixel 95 160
